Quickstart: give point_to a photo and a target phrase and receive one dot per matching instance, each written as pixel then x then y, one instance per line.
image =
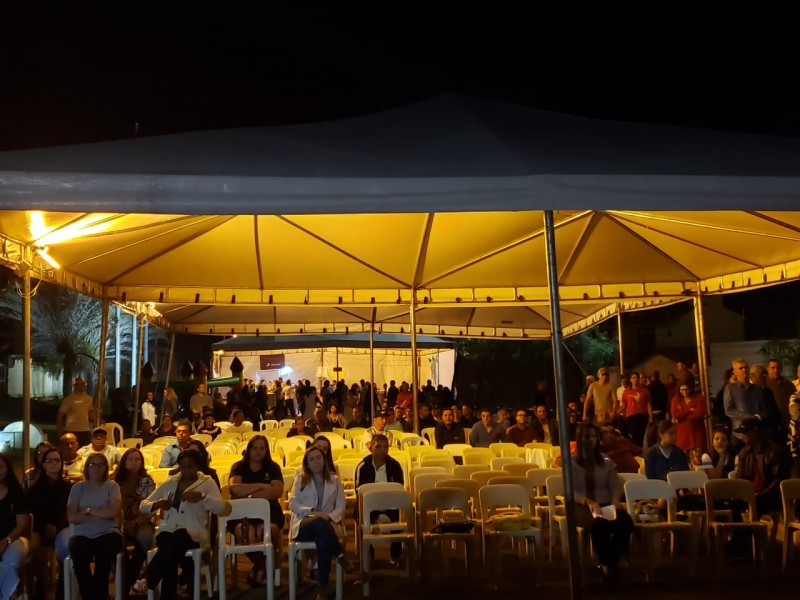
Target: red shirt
pixel 636 401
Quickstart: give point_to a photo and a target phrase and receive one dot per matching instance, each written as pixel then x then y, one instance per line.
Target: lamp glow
pixel 47 258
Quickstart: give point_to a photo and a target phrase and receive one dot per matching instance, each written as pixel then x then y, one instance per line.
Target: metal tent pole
pixel 117 348
pixel 138 379
pixel 169 358
pixel 619 338
pixel 26 370
pixel 372 360
pixel 101 372
pixel 414 366
pixel 561 403
pixel 699 328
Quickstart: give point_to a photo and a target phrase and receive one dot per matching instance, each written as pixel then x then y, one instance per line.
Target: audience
pixel 299 427
pixel 166 429
pixel 619 449
pixel 93 508
pixel 378 426
pixel 545 429
pixel 99 444
pixel 336 419
pixel 762 462
pixel 209 427
pixel 359 420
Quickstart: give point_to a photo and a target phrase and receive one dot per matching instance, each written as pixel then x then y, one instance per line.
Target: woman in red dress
pixel 688 413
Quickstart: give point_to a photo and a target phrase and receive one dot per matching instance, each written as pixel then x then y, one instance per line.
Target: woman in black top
pixel 47 499
pixel 14 524
pixel 258 476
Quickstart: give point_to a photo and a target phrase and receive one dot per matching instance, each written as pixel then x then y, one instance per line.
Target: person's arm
pixel 114 504
pixel 61 420
pixel 676 410
pixel 295 504
pixel 20 529
pixel 208 494
pixel 158 500
pixel 473 437
pixel 698 409
pixel 268 491
pixel 589 400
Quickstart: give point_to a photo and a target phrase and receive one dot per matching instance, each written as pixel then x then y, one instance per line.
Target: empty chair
pixel 497 464
pixel 790 494
pixel 651 532
pixel 464 471
pixel 694 482
pixel 203 438
pixel 360 491
pixel 471 488
pixel 498 447
pixel 416 452
pixel 429 433
pixel 483 477
pixel 438 500
pixel 445 463
pixel 412 475
pixel 539 478
pixel 131 443
pixel 498 498
pixel 741 490
pixel 269 424
pixel 478 456
pixel 456 449
pixel 426 481
pixel 286 445
pixel 245 508
pixel 413 440
pixel 287 423
pixel 115 433
pixel 515 452
pixel 520 468
pixel 401 531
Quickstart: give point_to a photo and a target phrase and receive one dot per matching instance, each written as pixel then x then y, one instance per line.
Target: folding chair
pixel 426 481
pixel 269 424
pixel 464 471
pixel 295 551
pixel 245 508
pixel 478 456
pixel 203 438
pixel 690 481
pixel 457 449
pixel 423 470
pixel 483 477
pixel 131 443
pixel 360 491
pixel 401 531
pixel 656 489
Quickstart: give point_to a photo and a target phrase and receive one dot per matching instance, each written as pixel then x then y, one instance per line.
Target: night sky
pixel 74 74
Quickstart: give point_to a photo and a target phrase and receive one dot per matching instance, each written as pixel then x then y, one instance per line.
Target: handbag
pixel 454 521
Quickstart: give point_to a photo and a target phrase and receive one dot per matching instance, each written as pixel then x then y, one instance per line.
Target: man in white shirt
pixel 73 462
pixel 238 424
pixel 100 445
pixel 74 413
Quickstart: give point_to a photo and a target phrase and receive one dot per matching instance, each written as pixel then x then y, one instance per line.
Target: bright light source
pixel 47 258
pixel 285 371
pixel 48 236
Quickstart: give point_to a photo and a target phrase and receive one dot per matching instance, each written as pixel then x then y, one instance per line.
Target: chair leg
pixel 292 552
pixel 118 577
pixel 339 579
pixel 269 554
pixel 198 565
pixel 68 574
pixel 222 579
pixel 365 546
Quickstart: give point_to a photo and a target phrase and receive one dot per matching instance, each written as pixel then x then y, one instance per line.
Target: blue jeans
pixel 319 531
pixel 10 562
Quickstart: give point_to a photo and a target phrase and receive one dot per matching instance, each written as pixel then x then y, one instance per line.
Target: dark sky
pixel 73 74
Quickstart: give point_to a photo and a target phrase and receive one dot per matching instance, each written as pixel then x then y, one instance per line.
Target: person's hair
pixel 737 361
pixel 121 474
pixel 11 481
pixel 775 360
pixel 597 456
pixel 42 479
pixel 305 477
pixel 237 411
pixel 184 423
pixel 192 455
pixel 143 421
pixel 249 448
pixel 166 416
pixel 201 448
pixel 486 409
pixel 379 437
pixel 448 408
pixel 89 459
pixel 37 465
pixel 329 453
pixel 664 426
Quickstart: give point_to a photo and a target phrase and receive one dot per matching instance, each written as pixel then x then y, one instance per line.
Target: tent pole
pixel 414 367
pixel 26 370
pixel 619 339
pixel 138 379
pixel 372 357
pixel 561 403
pixel 700 335
pixel 101 372
pixel 117 349
pixel 169 358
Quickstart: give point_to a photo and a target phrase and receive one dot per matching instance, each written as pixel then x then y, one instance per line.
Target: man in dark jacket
pixel 762 462
pixel 448 431
pixel 379 467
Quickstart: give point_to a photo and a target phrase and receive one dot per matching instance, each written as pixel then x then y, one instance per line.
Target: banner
pixel 272 362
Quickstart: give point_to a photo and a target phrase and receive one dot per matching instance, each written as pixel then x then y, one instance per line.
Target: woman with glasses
pixel 688 413
pixel 32 474
pixel 135 485
pixel 48 499
pixel 14 524
pixel 186 499
pixel 93 508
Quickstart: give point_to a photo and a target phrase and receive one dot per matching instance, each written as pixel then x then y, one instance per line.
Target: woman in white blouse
pixel 317 507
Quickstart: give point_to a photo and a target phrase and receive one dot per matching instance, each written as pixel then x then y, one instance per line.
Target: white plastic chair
pixel 426 481
pixel 498 464
pixel 270 424
pixel 69 574
pixel 203 438
pixel 360 491
pixel 498 447
pixel 519 469
pixel 402 531
pixel 115 433
pixel 437 461
pixel 286 423
pixel 131 443
pixel 286 445
pixel 412 475
pixel 483 477
pixel 790 495
pixel 245 508
pixel 438 500
pixel 464 471
pixel 478 456
pixel 456 449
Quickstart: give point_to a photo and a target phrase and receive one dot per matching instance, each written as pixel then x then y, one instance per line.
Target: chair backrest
pixel 269 424
pixel 354 432
pixel 223 424
pixel 498 464
pixel 220 449
pixel 131 443
pixel 429 433
pixel 249 435
pixel 626 477
pixel 483 477
pixel 497 496
pixel 286 445
pixel 687 480
pixel 288 486
pixel 649 489
pixel 503 479
pixel 516 451
pixel 224 436
pixel 416 452
pixel 246 508
pixel 555 487
pixel 152 456
pixel 413 440
pixel 440 499
pixel 465 471
pixel 730 489
pixel 539 477
pixel 383 486
pixel 384 500
pixel 479 456
pixel 538 446
pixel 336 441
pixel 520 468
pixel 426 481
pixel 790 495
pixel 498 447
pixel 164 440
pixel 471 488
pixel 159 476
pixel 457 449
pixel 115 433
pixel 286 423
pixel 347 473
pixel 203 438
pixel 640 462
pixel 445 463
pixel 413 473
pixel 294 458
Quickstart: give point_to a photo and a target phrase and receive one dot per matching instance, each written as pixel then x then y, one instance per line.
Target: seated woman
pixel 299 427
pixel 317 507
pixel 33 473
pixel 14 524
pixel 258 476
pixel 597 486
pixel 335 417
pixel 722 454
pixel 324 444
pixel 93 508
pixel 135 485
pixel 47 499
pixel 186 499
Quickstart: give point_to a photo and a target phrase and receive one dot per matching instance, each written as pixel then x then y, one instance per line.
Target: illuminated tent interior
pixel 328 227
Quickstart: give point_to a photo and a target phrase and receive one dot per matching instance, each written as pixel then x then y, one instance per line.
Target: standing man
pixel 781 388
pixel 600 397
pixel 391 394
pixel 74 414
pixel 638 409
pixel 200 400
pixel 544 429
pixel 487 432
pixel 741 399
pixel 448 431
pixel 521 433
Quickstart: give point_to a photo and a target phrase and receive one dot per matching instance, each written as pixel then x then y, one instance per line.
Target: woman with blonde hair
pixel 317 507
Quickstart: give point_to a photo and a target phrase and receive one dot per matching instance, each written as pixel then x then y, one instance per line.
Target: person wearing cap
pixel 209 426
pixel 761 461
pixel 600 397
pixel 75 412
pixel 99 444
pixel 378 426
